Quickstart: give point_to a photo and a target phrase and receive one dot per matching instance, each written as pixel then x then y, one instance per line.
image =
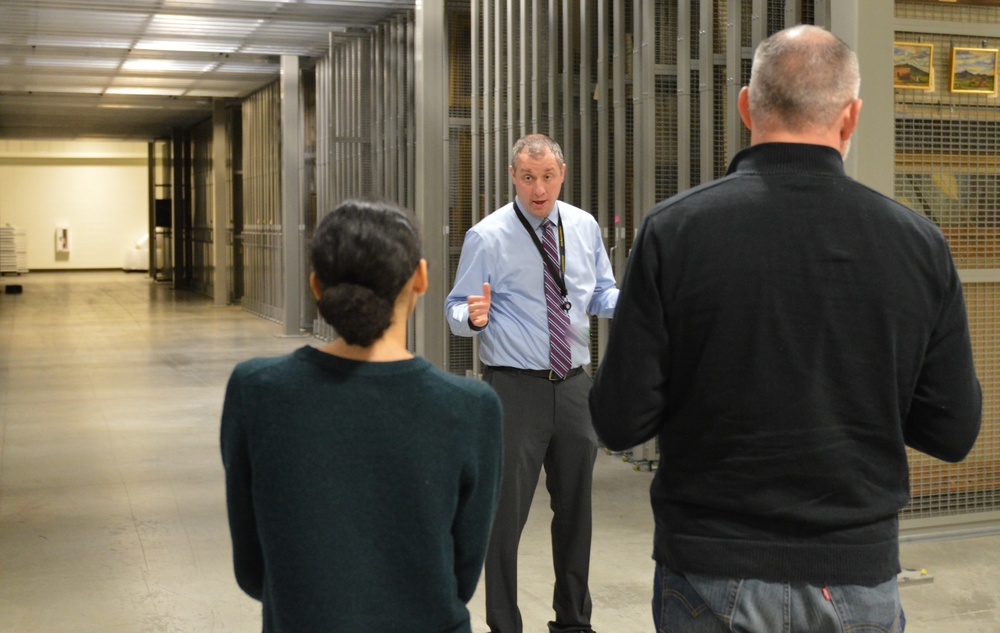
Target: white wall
pixel 98 189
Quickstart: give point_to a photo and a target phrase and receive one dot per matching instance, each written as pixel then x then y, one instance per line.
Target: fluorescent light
pixel 81 90
pixel 237 67
pixel 187 45
pixel 160 92
pixel 194 25
pixel 72 62
pixel 167 65
pixel 80 42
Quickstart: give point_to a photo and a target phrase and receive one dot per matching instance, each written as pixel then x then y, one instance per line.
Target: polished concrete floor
pixel 112 509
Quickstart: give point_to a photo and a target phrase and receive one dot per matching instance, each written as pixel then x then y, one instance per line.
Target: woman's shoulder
pixel 461 386
pixel 261 367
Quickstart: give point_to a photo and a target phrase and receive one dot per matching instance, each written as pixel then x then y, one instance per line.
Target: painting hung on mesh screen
pixel 913 66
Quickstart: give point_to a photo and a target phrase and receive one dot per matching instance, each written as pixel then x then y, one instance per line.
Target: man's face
pixel 537 181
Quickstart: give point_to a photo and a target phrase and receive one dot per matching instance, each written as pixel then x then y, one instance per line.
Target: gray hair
pixel 535 145
pixel 802 78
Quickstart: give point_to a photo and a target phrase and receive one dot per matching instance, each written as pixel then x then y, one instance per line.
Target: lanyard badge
pixel 560 278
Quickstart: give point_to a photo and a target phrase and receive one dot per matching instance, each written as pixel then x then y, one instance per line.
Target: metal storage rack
pixel 13 251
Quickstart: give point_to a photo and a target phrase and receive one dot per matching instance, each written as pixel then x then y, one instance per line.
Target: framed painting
pixel 973 70
pixel 914 65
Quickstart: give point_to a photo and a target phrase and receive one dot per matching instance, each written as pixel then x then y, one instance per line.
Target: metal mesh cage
pixel 946 169
pixel 261 237
pixel 202 260
pixel 460 176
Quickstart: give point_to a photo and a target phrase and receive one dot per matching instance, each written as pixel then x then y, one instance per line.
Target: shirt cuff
pixel 476 328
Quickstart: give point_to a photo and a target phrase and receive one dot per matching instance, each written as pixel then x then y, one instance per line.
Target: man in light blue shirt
pixel 529 276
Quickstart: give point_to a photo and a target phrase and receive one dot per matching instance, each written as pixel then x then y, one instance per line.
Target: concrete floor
pixel 112 509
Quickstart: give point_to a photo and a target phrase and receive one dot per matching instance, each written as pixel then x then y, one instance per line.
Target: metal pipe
pixel 618 158
pixel 683 95
pixel 535 78
pixel 553 69
pixel 793 13
pixel 566 142
pixel 582 161
pixel 522 41
pixel 603 128
pixel 489 167
pixel 758 22
pixel 734 76
pixel 511 84
pixel 499 150
pixel 706 90
pixel 411 107
pixel 476 207
pixel 645 116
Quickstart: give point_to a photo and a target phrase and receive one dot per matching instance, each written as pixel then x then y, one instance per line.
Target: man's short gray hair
pixel 535 145
pixel 802 78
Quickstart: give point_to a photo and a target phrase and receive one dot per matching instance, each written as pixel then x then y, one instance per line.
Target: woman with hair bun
pixel 361 481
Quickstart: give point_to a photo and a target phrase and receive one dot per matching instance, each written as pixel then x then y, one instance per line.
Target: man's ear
pixel 315 286
pixel 743 105
pixel 849 119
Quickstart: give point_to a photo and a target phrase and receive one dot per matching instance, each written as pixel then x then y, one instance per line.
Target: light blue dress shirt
pixel 499 250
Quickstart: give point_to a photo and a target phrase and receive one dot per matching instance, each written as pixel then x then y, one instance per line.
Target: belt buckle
pixel 554 377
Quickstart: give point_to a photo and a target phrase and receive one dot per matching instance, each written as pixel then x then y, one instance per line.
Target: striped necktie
pixel 560 357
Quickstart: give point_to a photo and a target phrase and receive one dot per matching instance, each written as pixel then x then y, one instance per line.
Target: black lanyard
pixel 559 278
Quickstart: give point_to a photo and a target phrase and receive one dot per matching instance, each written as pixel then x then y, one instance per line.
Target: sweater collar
pixel 788 158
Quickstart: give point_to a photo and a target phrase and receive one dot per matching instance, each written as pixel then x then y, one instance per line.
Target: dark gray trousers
pixel 546 424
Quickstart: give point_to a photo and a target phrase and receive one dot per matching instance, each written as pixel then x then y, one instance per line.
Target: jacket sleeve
pixel 480 491
pixel 946 410
pixel 628 398
pixel 248 557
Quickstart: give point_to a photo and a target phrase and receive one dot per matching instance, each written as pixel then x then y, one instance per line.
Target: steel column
pixel 581 160
pixel 292 226
pixel 683 95
pixel 431 170
pixel 566 142
pixel 706 90
pixel 220 214
pixel 734 76
pixel 603 124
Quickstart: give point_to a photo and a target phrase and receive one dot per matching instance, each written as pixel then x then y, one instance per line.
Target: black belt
pixel 548 374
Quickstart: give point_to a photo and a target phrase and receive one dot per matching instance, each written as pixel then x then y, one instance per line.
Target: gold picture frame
pixel 973 70
pixel 913 66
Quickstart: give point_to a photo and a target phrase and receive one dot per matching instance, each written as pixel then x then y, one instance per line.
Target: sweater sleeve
pixel 628 398
pixel 248 558
pixel 480 490
pixel 946 410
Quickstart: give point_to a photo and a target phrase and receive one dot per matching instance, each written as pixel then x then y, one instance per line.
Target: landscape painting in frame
pixel 974 70
pixel 914 65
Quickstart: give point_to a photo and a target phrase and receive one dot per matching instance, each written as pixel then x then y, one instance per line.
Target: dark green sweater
pixel 360 495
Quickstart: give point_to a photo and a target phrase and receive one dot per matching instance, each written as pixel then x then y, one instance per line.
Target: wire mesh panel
pixel 343 132
pixel 462 213
pixel 202 266
pixel 261 237
pixel 364 130
pixel 946 168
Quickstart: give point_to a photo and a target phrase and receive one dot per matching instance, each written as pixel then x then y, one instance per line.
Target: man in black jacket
pixel 785 332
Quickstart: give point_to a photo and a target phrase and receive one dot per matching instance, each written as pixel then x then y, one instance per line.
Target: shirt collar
pixel 536 221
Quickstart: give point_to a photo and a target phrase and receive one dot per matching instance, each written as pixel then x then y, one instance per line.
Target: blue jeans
pixel 699 604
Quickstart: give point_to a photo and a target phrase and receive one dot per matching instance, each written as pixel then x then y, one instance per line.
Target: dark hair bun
pixel 360 315
pixel 363 253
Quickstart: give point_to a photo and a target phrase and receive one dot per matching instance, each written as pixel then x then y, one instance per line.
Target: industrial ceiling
pixel 135 69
